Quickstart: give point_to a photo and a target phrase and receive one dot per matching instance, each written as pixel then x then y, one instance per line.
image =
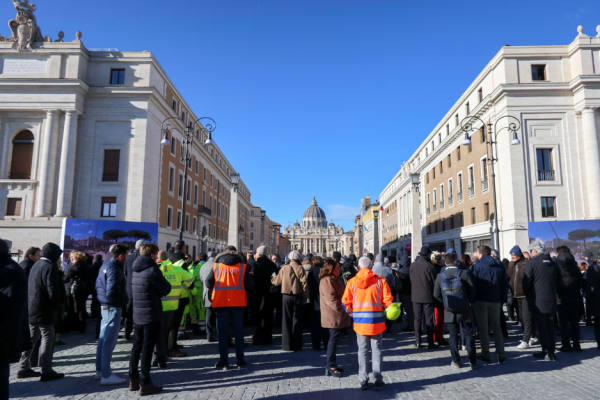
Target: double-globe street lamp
pixel 490 137
pixel 186 152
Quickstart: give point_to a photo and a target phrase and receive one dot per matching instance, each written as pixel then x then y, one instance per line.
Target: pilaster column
pixel 592 160
pixel 45 189
pixel 66 173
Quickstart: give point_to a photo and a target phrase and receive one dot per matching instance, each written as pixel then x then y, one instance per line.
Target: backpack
pixel 453 292
pixel 78 287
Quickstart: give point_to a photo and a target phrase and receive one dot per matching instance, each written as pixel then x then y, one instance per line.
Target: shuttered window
pixel 13 207
pixel 111 166
pixel 20 166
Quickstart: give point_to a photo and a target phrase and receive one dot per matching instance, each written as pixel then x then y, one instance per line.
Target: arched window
pixel 20 166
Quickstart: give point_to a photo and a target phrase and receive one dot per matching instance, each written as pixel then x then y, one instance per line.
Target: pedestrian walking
pixel 44 301
pixel 542 282
pixel 516 269
pixel 292 279
pixel 148 285
pixel 365 298
pixel 491 282
pixel 111 287
pixel 569 301
pixel 422 279
pixel 264 269
pixel 15 335
pixel 455 289
pixel 229 279
pixel 333 315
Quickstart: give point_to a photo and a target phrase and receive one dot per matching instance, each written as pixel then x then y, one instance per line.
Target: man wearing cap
pixel 422 280
pixel 365 298
pixel 264 269
pixel 516 268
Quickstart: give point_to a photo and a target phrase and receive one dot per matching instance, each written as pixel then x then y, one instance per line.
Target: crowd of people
pixel 161 297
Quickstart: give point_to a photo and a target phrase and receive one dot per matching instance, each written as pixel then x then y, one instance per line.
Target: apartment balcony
pixel 545 174
pixel 460 197
pixel 450 201
pixel 485 185
pixel 204 210
pixel 471 190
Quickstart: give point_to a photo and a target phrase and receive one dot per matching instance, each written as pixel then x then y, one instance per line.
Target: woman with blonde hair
pixel 78 283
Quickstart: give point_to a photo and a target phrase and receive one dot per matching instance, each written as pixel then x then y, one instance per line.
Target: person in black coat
pixel 264 269
pixel 44 299
pixel 129 279
pixel 458 321
pixel 78 285
pixel 422 279
pixel 318 334
pixel 14 335
pixel 148 285
pixel 593 294
pixel 570 299
pixel 405 294
pixel 542 282
pixel 32 255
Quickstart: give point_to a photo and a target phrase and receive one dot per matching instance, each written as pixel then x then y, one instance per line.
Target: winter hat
pixel 139 243
pixel 425 251
pixel 378 258
pixel 305 259
pixel 262 250
pixel 588 254
pixel 516 251
pixel 295 255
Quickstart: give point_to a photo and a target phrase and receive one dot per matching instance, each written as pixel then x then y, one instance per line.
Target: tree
pixel 137 235
pixel 114 234
pixel 582 234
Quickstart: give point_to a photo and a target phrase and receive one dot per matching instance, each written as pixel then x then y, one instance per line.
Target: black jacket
pixel 263 270
pixel 95 270
pixel 14 334
pixel 148 285
pixel 129 271
pixel 229 258
pixel 572 280
pixel 404 276
pixel 468 286
pixel 111 285
pixel 593 284
pixel 44 289
pixel 82 271
pixel 542 282
pixel 422 280
pixel 27 264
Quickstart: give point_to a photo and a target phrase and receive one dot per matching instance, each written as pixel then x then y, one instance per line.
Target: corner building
pixel 553 174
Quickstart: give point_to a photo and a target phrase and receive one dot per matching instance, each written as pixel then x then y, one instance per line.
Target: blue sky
pixel 324 98
pixel 545 231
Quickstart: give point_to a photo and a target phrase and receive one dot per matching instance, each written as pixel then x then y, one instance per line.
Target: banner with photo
pixel 578 235
pixel 96 236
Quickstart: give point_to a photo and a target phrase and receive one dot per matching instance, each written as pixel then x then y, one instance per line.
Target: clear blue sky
pixel 324 98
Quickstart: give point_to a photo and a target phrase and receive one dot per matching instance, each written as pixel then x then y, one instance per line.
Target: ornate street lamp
pixel 490 138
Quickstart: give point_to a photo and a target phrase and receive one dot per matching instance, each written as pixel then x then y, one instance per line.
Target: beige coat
pixel 291 278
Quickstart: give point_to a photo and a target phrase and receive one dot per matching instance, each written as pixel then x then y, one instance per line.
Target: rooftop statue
pixel 25 30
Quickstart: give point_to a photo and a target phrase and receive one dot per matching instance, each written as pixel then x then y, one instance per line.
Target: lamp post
pixel 186 153
pixel 490 138
pixel 416 236
pixel 376 232
pixel 263 214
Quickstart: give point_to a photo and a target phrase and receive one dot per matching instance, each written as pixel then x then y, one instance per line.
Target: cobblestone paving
pixel 409 373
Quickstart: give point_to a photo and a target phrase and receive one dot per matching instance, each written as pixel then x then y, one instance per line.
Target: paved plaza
pixel 409 373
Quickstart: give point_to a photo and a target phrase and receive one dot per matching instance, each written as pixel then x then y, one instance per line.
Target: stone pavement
pixel 409 373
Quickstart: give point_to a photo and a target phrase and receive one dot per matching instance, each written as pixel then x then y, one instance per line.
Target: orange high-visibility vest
pixel 367 309
pixel 229 288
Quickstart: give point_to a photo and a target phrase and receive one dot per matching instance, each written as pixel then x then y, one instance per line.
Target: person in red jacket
pixel 365 299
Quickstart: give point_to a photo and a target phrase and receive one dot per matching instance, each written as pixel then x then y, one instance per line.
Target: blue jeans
pixel 109 333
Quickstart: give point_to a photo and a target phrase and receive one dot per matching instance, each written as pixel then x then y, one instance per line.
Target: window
pixel 484 175
pixel 251 235
pixel 468 108
pixel 174 105
pixel 109 207
pixel 449 160
pixel 196 194
pixel 252 214
pixel 486 211
pixel 210 229
pixel 169 216
pixel 211 180
pixel 194 221
pixel 197 170
pixel 461 219
pixel 180 188
pixel 204 174
pixel 210 201
pixel 433 173
pixel 459 189
pixel 481 136
pixel 171 179
pixel 441 168
pixel 439 138
pixel 447 129
pixel 111 166
pixel 13 207
pixel 480 95
pixel 548 207
pixel 427 177
pixel 183 116
pixel 428 205
pixel 538 72
pixel 434 201
pixel 544 165
pixel 471 177
pixel 173 145
pixel 179 219
pixel 117 76
pixel 188 190
pixel 473 219
pixel 187 222
pixel 450 192
pixel 456 119
pixel 22 156
pixel 204 198
pixel 458 153
pixel 251 224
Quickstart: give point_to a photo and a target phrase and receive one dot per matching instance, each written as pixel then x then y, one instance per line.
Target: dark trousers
pixel 526 319
pixel 95 307
pixel 161 354
pixel 466 329
pixel 144 341
pixel 236 316
pixel 547 332
pixel 568 314
pixel 291 326
pixel 4 378
pixel 264 323
pixel 510 308
pixel 503 322
pixel 177 317
pixel 211 323
pixel 334 337
pixel 76 306
pixel 317 333
pixel 129 320
pixel 596 317
pixel 424 312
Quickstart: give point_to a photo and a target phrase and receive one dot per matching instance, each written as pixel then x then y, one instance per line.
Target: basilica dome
pixel 314 216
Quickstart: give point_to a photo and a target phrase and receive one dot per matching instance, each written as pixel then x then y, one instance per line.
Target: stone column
pixel 43 206
pixel 234 225
pixel 66 174
pixel 592 160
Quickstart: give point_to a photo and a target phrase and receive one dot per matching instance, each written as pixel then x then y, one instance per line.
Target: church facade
pixel 314 235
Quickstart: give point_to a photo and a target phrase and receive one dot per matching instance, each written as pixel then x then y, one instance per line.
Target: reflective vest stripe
pixel 240 279
pixel 170 298
pixel 227 292
pixel 368 304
